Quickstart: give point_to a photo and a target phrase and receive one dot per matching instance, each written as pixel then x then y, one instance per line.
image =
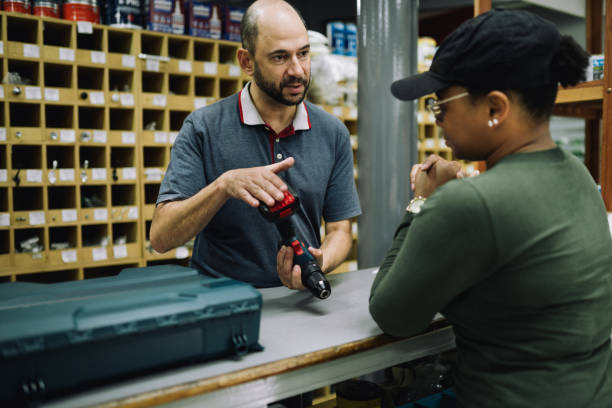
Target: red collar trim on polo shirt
pixel 250 116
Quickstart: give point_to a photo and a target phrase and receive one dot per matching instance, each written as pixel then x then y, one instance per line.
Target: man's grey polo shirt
pixel 230 134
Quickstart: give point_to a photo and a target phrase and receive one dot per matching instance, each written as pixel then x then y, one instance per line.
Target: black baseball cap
pixel 499 49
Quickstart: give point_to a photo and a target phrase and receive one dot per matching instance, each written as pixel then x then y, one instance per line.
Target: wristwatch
pixel 415 204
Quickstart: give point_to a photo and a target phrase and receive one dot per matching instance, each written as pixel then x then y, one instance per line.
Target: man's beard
pixel 270 89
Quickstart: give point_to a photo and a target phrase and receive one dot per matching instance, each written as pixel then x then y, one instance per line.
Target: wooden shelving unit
pixel 85 139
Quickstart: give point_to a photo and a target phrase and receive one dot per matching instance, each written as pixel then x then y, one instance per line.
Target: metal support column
pixel 387 127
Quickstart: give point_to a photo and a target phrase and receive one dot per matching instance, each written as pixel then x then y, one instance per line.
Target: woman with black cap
pixel 519 258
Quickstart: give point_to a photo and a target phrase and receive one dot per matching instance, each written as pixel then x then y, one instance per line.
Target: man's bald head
pixel 263 10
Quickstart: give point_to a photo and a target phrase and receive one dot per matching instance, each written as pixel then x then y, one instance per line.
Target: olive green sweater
pixel 519 259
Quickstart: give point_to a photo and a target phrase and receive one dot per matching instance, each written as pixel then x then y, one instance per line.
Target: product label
pixel 2 134
pixel 153 174
pixel 128 61
pixel 66 174
pixel 5 219
pixel 182 252
pixel 172 137
pixel 199 102
pixel 37 217
pixel 33 92
pixel 99 254
pixel 98 57
pixel 31 50
pixel 159 100
pixel 210 68
pixel 69 215
pixel 185 66
pixel 100 214
pixel 84 27
pixel 67 136
pixel 99 136
pixel 66 54
pixel 128 137
pixel 129 173
pixel 127 99
pixel 98 173
pixel 52 94
pixel 161 137
pixel 3 175
pixel 34 176
pixel 234 70
pixel 152 65
pixel 120 251
pixel 132 213
pixel 69 256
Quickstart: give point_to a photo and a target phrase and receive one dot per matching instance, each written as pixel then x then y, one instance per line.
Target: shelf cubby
pixel 227 53
pixel 64 155
pixel 59 116
pixel 154 157
pixel 123 157
pixel 29 71
pixel 92 42
pixel 203 50
pixel 4 207
pixel 90 78
pixel 94 235
pixel 123 195
pixel 179 84
pixel 125 233
pixel 27 198
pixel 91 118
pixel 205 86
pixel 26 157
pixel 61 197
pixel 228 87
pixel 120 80
pixel 93 196
pixel 120 41
pixel 152 44
pixel 178 48
pixel 151 191
pixel 65 236
pixel 58 75
pixel 177 118
pixel 49 276
pixel 153 119
pixel 24 115
pixel 57 34
pixel 94 155
pixel 5 242
pixel 152 82
pixel 23 30
pixel 121 119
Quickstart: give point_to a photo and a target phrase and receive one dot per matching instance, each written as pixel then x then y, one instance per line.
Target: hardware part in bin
pixel 31 245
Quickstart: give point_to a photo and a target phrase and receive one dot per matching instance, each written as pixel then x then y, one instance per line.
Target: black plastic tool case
pixel 57 338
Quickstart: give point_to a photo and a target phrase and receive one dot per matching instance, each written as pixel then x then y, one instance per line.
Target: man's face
pixel 290 91
pixel 281 64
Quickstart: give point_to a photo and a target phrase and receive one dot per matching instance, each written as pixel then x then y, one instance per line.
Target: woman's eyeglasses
pixel 433 105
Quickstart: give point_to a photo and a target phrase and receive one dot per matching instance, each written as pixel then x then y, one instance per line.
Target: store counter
pixel 309 343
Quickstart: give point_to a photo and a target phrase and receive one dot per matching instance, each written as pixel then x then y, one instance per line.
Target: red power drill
pixel 280 214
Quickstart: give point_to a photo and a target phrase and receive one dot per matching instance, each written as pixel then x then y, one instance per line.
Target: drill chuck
pixel 314 279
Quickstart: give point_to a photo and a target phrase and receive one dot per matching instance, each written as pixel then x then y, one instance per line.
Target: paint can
pixel 81 10
pixel 17 6
pixel 46 8
pixel 124 13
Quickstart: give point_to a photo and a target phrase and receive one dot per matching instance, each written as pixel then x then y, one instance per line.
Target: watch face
pixel 415 205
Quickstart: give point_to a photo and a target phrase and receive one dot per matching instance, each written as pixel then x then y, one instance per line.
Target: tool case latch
pixel 241 344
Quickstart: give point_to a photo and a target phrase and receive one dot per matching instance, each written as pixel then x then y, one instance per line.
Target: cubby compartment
pixel 58 75
pixel 59 116
pixel 57 34
pixel 178 48
pixel 204 86
pixel 227 54
pixel 152 119
pixel 93 196
pixel 120 42
pixel 91 118
pixel 228 87
pixel 1 114
pixel 61 197
pixel 4 199
pixel 179 84
pixel 91 41
pixel 123 195
pixel 94 156
pixel 176 119
pixel 203 50
pixel 30 240
pixel 120 81
pixel 90 78
pixel 23 72
pixel 151 44
pixel 147 230
pixel 23 30
pixel 62 238
pixel 3 161
pixel 27 198
pixel 4 242
pixel 94 235
pixel 24 114
pixel 125 233
pixel 26 157
pixel 154 156
pixel 152 82
pixel 123 157
pixel 151 193
pixel 105 271
pixel 64 275
pixel 121 119
pixel 64 155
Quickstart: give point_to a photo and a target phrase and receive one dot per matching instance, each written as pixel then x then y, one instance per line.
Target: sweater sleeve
pixel 435 256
